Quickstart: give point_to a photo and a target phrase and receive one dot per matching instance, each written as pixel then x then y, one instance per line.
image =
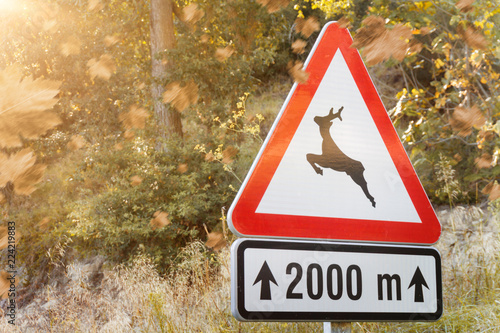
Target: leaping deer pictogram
pixel 332 157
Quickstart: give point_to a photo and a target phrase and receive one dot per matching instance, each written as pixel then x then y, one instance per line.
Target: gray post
pixel 336 327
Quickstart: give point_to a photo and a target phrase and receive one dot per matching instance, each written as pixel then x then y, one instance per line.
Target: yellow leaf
pixel 299 46
pixel 427 5
pixel 344 23
pixel 298 74
pixel 71 47
pixel 23 107
pixel 465 5
pixel 485 161
pixel 377 43
pixel 76 142
pixel 129 134
pixel 45 18
pixel 273 5
pixel 204 38
pixel 492 190
pixel 415 47
pixel 7 281
pixel 181 97
pixel 4 238
pixel 472 37
pixel 135 180
pixel 209 157
pixel 171 92
pixel 182 168
pixel 111 40
pixel 425 31
pixel 159 220
pixel 44 223
pixel 463 119
pixel 103 68
pixel 135 118
pixel 20 170
pixel 191 13
pixel 306 27
pixel 222 54
pixel 228 154
pixel 216 241
pixel 95 5
pixel 50 26
pixel 439 63
pixel 440 102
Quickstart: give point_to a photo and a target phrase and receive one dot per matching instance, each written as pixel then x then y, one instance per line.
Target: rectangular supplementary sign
pixel 273 280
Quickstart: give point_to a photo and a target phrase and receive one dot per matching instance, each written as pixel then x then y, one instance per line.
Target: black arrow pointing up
pixel 266 277
pixel 418 281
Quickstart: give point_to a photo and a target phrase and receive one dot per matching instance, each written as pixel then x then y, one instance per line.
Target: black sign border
pixel 332 316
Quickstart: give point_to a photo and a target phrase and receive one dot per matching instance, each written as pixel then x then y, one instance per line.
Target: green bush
pixel 117 220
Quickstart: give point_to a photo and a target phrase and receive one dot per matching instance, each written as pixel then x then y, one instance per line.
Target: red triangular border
pixel 243 219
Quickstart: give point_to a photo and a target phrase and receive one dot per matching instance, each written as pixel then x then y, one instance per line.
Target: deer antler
pixel 338 113
pixel 332 115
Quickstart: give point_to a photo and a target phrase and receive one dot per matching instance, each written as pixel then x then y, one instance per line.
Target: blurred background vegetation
pixel 91 165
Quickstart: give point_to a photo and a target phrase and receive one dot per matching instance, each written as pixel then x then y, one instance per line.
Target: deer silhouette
pixel 333 158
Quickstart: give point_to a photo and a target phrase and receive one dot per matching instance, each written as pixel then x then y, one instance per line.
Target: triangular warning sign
pixel 332 166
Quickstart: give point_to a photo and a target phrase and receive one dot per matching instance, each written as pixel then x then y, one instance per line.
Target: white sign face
pixel 305 281
pixel 296 189
pixel 332 166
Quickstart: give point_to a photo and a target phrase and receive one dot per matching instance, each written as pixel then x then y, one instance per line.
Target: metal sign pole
pixel 336 327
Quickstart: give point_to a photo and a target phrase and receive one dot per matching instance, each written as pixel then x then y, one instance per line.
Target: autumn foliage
pixel 24 114
pixel 448 105
pixel 374 39
pixel 84 167
pixel 25 107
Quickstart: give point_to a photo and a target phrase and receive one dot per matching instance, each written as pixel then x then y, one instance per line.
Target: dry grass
pixel 195 297
pixel 470 254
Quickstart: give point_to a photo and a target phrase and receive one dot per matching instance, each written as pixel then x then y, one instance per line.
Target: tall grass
pixel 195 296
pixel 470 254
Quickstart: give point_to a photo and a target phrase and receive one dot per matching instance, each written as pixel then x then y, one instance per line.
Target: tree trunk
pixel 162 39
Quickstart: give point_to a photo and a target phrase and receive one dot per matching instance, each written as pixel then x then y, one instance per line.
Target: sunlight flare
pixel 10 6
